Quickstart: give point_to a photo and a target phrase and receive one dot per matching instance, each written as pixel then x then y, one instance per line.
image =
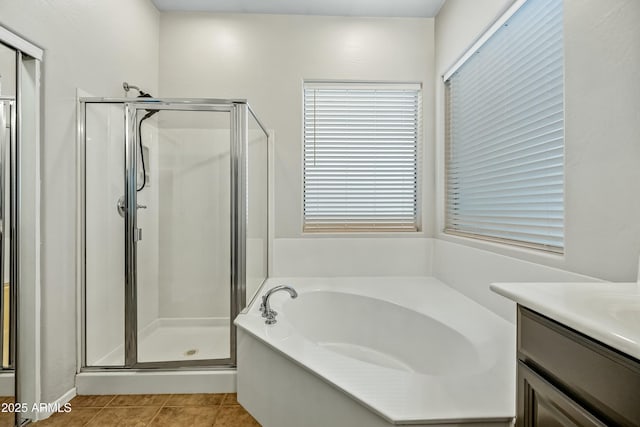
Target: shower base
pixel 178 339
pixel 167 340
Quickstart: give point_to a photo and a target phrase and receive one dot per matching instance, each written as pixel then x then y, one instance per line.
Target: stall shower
pixel 174 228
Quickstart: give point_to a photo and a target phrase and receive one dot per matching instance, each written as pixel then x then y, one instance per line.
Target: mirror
pixel 7 292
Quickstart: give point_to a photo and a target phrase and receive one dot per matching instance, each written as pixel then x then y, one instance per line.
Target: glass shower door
pixel 178 287
pixel 174 229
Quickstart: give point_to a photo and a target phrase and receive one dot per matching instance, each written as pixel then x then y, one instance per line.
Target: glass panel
pixel 257 208
pixel 5 156
pixel 104 235
pixel 184 257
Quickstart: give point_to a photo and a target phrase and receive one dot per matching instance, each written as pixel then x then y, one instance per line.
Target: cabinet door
pixel 540 404
pixel 597 377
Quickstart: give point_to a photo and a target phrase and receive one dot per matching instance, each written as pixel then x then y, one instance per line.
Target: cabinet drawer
pixel 600 379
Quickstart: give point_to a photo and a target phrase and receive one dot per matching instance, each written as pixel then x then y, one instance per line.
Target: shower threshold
pixel 156 381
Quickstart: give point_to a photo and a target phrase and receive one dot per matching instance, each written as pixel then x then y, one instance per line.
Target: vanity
pixel 578 350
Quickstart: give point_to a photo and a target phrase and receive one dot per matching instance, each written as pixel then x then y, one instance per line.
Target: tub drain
pixel 191 352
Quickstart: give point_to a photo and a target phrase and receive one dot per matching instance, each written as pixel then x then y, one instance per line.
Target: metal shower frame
pixel 239 111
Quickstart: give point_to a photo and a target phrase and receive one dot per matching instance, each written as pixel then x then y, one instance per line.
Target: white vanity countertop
pixel 607 312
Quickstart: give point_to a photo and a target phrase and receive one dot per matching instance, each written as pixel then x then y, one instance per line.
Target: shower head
pixel 142 94
pixel 127 87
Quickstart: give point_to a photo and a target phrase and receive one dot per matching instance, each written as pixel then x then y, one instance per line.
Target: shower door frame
pixel 239 111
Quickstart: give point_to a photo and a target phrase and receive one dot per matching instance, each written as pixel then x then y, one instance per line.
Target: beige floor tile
pixel 139 400
pixel 124 417
pixel 6 419
pixel 195 399
pixel 230 399
pixel 180 410
pixel 76 418
pixel 235 416
pixel 95 401
pixel 192 416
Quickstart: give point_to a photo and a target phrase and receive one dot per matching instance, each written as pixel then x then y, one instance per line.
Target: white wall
pixel 352 256
pixel 7 71
pixel 95 46
pixel 265 58
pixel 602 125
pixel 471 270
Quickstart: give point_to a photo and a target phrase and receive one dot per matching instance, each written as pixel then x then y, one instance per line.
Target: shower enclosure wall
pixel 174 229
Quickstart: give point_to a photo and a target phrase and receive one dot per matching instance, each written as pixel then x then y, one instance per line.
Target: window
pixel 360 157
pixel 505 133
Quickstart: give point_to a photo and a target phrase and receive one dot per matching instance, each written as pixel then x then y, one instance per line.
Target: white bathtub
pixel 375 352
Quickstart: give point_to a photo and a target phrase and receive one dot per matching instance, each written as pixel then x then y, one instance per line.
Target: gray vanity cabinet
pixel 568 379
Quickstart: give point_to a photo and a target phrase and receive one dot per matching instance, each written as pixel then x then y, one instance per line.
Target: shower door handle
pixel 122 210
pixel 137 236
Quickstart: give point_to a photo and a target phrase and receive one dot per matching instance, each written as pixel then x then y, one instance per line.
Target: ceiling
pixel 382 8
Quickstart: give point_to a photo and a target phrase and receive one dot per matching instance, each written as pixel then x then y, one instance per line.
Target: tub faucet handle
pixel 267 312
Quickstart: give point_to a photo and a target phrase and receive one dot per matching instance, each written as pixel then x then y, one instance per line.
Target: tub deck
pixel 279 367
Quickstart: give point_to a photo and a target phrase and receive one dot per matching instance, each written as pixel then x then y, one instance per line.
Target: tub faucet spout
pixel 267 312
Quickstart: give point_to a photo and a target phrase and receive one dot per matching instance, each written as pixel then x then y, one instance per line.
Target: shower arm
pixel 142 94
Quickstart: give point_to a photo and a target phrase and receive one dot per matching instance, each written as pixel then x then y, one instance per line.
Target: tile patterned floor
pixel 154 410
pixel 6 418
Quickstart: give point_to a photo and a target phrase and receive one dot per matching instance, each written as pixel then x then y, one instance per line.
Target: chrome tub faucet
pixel 267 312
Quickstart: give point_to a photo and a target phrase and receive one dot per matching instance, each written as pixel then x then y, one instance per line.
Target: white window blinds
pixel 360 157
pixel 505 133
